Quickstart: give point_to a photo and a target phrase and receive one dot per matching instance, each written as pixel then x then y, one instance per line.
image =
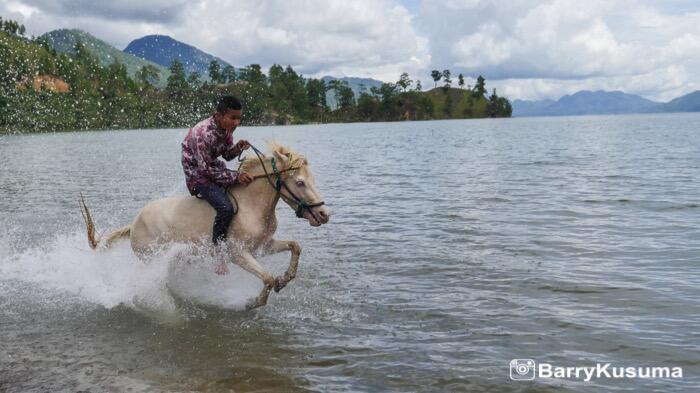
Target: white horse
pixel 187 219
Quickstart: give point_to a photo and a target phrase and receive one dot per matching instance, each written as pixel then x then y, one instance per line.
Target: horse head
pixel 298 188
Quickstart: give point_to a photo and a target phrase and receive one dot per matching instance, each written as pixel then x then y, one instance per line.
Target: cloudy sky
pixel 525 48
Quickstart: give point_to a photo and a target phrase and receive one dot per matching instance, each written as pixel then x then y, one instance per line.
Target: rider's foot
pixel 219 254
pixel 221 269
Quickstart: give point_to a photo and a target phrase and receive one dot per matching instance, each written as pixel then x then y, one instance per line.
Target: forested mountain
pixel 162 49
pixel 64 41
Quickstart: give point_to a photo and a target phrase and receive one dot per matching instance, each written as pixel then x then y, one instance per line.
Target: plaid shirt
pixel 203 144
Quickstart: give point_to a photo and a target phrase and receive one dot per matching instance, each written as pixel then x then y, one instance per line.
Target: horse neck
pixel 262 195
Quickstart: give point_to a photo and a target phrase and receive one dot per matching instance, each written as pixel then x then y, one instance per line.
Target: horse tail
pixel 93 239
pixel 122 232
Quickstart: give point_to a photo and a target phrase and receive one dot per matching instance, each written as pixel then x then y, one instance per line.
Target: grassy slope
pixel 463 105
pixel 63 41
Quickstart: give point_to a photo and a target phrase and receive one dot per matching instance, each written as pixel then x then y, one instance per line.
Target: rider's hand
pixel 244 178
pixel 242 144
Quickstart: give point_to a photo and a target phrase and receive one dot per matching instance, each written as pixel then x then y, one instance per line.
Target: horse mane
pixel 294 160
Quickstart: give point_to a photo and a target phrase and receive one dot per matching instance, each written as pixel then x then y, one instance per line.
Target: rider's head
pixel 228 113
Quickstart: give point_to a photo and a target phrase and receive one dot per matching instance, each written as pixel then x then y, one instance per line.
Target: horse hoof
pixel 280 282
pixel 252 304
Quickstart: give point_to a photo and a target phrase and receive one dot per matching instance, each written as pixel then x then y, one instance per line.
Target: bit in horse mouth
pixel 315 222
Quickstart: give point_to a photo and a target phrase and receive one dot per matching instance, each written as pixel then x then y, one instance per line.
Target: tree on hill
pixel 447 108
pixel 148 75
pixel 404 82
pixel 419 87
pixel 460 82
pixel 278 88
pixel 288 92
pixel 498 106
pixel 388 91
pixel 13 28
pixel 480 87
pixel 91 67
pixel 177 81
pixel 446 77
pixel 194 80
pixel 344 95
pixel 316 93
pixel 116 82
pixel 436 75
pixel 215 72
pixel 253 74
pixel 367 106
pixel 228 75
pixel 296 90
pixel 255 93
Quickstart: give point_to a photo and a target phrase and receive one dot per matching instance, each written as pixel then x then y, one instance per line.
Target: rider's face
pixel 228 120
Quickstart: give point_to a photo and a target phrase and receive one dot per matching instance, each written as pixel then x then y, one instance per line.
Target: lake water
pixel 454 247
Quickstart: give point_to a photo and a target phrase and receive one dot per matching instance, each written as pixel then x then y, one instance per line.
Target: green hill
pixel 389 103
pixel 63 41
pixel 455 103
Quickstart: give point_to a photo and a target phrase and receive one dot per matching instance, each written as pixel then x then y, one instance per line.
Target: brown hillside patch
pixel 46 83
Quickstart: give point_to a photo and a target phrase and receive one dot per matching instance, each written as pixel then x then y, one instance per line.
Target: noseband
pixel 279 184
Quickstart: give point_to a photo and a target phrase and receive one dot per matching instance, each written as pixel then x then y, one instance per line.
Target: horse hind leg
pixel 260 300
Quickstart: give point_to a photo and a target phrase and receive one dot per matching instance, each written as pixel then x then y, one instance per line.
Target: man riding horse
pixel 283 175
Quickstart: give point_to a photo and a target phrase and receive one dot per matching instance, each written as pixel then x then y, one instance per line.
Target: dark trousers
pixel 217 198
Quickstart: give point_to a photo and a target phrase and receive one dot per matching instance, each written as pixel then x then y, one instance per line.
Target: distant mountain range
pixel 162 49
pixel 604 102
pixel 63 41
pixel 687 103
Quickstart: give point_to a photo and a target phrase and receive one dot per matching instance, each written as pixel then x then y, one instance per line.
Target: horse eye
pixel 300 183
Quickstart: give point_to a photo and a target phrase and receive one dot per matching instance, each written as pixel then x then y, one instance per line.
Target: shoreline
pixel 4 132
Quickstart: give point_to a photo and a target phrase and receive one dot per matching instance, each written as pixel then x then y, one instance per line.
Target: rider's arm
pixel 232 150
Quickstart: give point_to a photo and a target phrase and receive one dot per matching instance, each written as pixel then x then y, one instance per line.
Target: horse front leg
pixel 245 260
pixel 276 246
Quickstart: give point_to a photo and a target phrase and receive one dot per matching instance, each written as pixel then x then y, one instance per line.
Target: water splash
pixel 66 266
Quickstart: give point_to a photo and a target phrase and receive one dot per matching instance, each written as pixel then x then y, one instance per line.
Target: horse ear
pixel 281 157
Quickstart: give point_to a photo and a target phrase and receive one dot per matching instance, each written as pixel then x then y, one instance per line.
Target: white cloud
pixel 365 38
pixel 23 10
pixel 469 53
pixel 157 11
pixel 543 49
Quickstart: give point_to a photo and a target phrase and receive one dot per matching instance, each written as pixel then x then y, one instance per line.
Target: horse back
pixel 181 218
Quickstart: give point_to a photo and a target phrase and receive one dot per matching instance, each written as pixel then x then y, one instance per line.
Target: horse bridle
pixel 279 184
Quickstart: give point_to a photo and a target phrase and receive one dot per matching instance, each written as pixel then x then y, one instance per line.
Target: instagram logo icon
pixel 522 369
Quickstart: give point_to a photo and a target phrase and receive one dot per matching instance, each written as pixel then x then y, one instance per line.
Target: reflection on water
pixel 455 246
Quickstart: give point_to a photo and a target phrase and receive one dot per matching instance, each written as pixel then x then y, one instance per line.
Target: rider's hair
pixel 228 103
